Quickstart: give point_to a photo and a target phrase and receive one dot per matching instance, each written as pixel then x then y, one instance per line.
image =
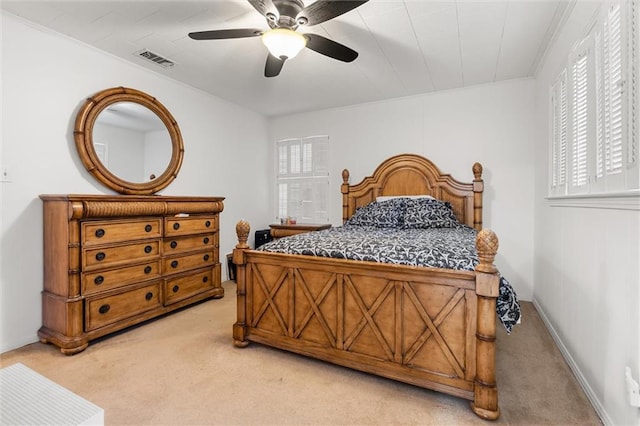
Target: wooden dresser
pixel 114 261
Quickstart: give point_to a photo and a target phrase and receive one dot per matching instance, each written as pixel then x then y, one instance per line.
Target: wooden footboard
pixel 429 327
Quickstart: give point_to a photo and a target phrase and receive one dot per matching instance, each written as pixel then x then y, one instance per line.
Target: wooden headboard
pixel 411 174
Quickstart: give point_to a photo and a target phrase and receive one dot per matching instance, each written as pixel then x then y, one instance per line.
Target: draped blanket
pixel 450 247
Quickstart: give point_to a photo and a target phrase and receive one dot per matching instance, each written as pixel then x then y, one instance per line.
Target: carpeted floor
pixel 183 369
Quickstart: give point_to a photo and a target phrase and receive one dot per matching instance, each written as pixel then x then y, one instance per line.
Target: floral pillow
pixel 428 213
pixel 384 214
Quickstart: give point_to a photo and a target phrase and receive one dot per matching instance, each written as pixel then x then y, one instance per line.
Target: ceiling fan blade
pixel 323 10
pixel 224 34
pixel 273 66
pixel 330 48
pixel 266 8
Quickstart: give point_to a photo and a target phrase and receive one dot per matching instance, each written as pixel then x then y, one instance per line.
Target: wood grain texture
pixel 430 327
pixel 83 135
pixel 279 231
pixel 410 174
pixel 114 261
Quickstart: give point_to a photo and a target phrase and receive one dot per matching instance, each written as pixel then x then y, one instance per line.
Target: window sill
pixel 629 200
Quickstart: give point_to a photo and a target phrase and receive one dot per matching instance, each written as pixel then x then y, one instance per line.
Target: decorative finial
pixel 345 176
pixel 242 230
pixel 487 246
pixel 477 170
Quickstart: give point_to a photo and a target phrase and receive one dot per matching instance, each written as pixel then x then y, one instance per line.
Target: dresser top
pixel 93 206
pixel 126 198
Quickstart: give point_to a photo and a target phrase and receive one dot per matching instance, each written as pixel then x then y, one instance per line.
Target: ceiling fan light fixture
pixel 283 42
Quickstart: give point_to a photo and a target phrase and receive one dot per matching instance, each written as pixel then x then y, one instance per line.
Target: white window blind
pixel 303 179
pixel 594 109
pixel 632 172
pixel 559 136
pixel 580 111
pixel 610 81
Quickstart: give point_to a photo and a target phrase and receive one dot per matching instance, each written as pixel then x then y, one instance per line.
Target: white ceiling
pixel 405 47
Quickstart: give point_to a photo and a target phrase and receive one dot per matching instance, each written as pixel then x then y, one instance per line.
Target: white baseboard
pixel 597 405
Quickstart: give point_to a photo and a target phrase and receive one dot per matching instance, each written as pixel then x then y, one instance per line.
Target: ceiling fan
pixel 284 18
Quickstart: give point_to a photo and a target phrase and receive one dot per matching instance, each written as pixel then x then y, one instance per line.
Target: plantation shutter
pixel 633 136
pixel 559 136
pixel 610 81
pixel 315 168
pixel 288 168
pixel 595 108
pixel 580 100
pixel 303 179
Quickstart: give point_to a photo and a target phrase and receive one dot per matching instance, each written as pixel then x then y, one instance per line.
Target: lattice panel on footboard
pixel 426 329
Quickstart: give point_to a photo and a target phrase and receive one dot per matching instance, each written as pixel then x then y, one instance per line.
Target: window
pixel 594 109
pixel 633 108
pixel 559 137
pixel 580 130
pixel 302 179
pixel 610 91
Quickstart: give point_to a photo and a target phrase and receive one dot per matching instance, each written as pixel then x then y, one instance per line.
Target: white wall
pixel 125 151
pixel 157 153
pixel 491 124
pixel 45 79
pixel 586 263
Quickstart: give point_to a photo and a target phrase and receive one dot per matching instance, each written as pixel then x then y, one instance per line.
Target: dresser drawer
pixel 180 288
pixel 107 310
pixel 177 264
pixel 176 245
pixel 103 254
pixel 99 257
pixel 102 280
pixel 175 226
pixel 103 232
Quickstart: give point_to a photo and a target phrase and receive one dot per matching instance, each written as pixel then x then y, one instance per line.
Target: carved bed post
pixel 239 328
pixel 344 188
pixel 485 402
pixel 478 188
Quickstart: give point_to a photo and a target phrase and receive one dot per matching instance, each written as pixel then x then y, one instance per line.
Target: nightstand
pixel 279 231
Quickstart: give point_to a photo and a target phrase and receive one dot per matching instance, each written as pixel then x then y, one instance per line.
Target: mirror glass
pixel 128 141
pixel 132 142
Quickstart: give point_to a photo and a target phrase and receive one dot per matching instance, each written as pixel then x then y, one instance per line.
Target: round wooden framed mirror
pixel 129 141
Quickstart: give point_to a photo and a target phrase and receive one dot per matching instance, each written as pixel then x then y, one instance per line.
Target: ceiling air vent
pixel 150 56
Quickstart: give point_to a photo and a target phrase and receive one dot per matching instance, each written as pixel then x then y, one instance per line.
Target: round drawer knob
pixel 148 296
pixel 205 257
pixel 205 279
pixel 148 249
pixel 174 264
pixel 176 226
pixel 206 240
pixel 98 280
pixel 207 223
pixel 174 244
pixel 148 228
pixel 175 288
pixel 147 269
pixel 104 309
pixel 100 256
pixel 100 233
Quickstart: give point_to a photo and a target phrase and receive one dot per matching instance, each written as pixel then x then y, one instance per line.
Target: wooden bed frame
pixel 430 327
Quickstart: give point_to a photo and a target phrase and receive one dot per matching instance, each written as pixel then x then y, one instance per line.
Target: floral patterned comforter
pixel 450 248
